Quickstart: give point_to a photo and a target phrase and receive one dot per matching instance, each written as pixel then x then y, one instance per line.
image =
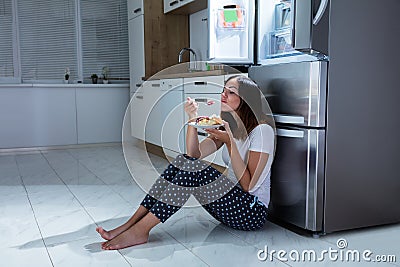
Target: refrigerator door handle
pixel 301 27
pixel 289 119
pixel 320 12
pixel 290 133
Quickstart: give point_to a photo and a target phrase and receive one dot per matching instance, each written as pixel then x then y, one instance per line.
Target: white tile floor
pixel 52 201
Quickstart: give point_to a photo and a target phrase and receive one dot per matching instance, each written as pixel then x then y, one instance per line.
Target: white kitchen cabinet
pixel 207 110
pixel 138 109
pixel 141 108
pixel 170 5
pixel 198 32
pixel 136 44
pixel 100 114
pixel 154 121
pixel 137 120
pixel 153 38
pixel 203 89
pixel 135 8
pixel 204 85
pixel 185 2
pixel 41 115
pixel 171 113
pixel 136 52
pixel 184 6
pixel 37 116
pixel 157 114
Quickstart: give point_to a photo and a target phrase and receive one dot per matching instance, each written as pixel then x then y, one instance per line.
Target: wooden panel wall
pixel 165 35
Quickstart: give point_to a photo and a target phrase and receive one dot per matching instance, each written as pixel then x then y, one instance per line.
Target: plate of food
pixel 206 122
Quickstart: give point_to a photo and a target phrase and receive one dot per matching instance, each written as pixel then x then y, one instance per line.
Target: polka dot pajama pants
pixel 226 202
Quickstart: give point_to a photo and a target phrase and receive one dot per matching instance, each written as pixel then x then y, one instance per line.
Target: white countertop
pixel 62 85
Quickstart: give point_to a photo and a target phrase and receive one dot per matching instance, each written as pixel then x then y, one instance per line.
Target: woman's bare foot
pixel 107 235
pixel 131 237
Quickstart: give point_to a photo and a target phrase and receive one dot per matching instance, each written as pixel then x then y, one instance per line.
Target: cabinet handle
pixel 200 83
pixel 137 10
pixel 202 134
pixel 173 3
pixel 139 97
pixel 203 100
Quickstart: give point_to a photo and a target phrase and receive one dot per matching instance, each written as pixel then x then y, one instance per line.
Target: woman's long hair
pixel 249 112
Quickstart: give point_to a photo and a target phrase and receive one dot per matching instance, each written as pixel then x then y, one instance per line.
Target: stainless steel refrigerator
pixel 335 99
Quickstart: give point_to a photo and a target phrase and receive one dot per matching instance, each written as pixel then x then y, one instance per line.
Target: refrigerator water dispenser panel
pixel 280 44
pixel 291 29
pixel 275 29
pixel 282 15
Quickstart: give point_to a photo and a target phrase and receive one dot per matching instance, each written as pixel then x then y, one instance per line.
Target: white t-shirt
pixel 260 139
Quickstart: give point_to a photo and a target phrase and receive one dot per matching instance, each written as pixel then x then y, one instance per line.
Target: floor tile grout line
pixel 187 248
pixel 88 169
pixel 80 203
pixel 166 231
pixel 82 164
pixel 320 240
pixel 104 184
pixel 69 189
pixel 128 203
pixel 233 234
pixel 33 212
pixel 226 228
pixel 30 194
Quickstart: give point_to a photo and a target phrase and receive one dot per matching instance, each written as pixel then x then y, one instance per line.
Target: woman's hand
pixel 224 136
pixel 191 108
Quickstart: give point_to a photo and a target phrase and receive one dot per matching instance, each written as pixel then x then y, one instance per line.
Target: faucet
pixel 194 57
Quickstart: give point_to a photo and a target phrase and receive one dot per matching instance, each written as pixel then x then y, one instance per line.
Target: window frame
pixel 17 64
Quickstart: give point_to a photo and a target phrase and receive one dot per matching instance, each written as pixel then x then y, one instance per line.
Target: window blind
pixel 104 31
pixel 6 39
pixel 48 42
